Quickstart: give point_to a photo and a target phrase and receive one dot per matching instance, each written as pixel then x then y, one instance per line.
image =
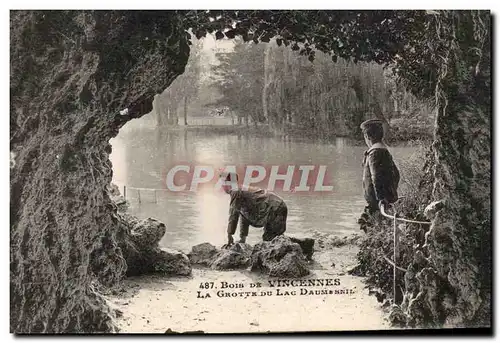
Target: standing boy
pixel 380 174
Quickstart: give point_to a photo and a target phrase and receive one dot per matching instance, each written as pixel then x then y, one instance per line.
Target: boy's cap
pixel 371 123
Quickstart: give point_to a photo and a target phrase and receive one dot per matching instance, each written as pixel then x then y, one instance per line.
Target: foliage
pixel 238 77
pixel 410 168
pixel 367 36
pixel 184 89
pixel 415 188
pixel 419 43
pixel 320 98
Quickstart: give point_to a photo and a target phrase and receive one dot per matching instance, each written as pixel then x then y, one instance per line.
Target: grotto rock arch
pixel 72 72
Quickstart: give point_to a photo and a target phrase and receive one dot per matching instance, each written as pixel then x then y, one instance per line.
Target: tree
pixel 238 77
pixel 322 98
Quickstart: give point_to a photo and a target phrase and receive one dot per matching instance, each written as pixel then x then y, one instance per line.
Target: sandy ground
pixel 155 304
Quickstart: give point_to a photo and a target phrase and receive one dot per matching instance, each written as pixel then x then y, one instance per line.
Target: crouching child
pixel 253 207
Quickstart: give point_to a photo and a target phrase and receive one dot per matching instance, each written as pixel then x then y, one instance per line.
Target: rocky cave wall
pixel 455 284
pixel 71 74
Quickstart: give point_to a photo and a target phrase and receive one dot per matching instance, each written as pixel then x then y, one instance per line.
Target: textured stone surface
pixel 171 262
pixel 237 256
pixel 455 287
pixel 306 244
pixel 121 203
pixel 139 245
pixel 147 233
pixel 397 317
pixel 279 258
pixel 71 74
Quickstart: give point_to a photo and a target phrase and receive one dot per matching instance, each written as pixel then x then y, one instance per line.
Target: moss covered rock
pixel 71 74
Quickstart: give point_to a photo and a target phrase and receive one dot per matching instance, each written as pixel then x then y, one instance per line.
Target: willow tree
pixel 323 97
pixel 184 90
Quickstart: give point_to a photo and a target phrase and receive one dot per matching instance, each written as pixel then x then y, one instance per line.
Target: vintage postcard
pixel 237 171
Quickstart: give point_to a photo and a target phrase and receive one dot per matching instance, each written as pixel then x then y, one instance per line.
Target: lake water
pixel 141 158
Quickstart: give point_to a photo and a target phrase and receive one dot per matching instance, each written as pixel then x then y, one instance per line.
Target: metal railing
pixel 382 210
pixel 395 219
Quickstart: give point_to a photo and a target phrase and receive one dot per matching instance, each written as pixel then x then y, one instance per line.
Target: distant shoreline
pixel 263 130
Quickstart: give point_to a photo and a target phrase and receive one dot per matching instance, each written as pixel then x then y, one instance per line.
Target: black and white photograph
pixel 250 171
